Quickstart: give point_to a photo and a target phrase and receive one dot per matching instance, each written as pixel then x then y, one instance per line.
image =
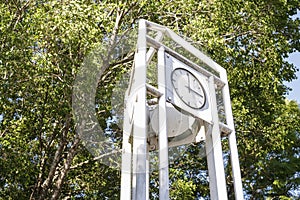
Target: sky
pixel 295 85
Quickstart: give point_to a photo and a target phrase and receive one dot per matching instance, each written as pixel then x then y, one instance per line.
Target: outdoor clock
pixel 188 88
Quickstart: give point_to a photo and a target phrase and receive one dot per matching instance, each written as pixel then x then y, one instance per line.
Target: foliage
pixel 182 188
pixel 44 43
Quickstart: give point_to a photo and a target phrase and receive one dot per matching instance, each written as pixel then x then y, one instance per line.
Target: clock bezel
pixel 179 96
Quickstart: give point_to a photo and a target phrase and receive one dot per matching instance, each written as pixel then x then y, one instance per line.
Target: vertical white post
pixel 126 165
pixel 139 119
pixel 147 175
pixel 236 172
pixel 217 182
pixel 162 129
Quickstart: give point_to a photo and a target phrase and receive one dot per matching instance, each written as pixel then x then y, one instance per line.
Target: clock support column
pixel 134 151
pixel 217 182
pixel 162 125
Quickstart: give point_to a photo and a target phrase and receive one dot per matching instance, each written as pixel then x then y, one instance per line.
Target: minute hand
pixel 196 92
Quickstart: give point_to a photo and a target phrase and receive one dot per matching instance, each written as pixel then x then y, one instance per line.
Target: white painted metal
pixel 147 175
pixel 153 43
pixel 217 182
pixel 236 171
pixel 139 120
pixel 196 52
pixel 162 129
pixel 203 113
pixel 126 168
pixel 151 51
pixel 182 129
pixel 135 166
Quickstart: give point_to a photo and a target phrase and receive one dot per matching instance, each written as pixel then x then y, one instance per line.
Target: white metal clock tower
pixel 182 107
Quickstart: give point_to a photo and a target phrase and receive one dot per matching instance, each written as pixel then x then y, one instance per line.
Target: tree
pixel 43 46
pixel 252 47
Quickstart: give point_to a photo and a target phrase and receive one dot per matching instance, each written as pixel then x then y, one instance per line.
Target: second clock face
pixel 188 88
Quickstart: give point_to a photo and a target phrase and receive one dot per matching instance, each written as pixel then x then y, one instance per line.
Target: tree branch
pixel 20 13
pixel 95 159
pixel 72 152
pixel 41 191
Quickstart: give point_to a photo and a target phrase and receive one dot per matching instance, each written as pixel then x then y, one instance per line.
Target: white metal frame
pixel 135 163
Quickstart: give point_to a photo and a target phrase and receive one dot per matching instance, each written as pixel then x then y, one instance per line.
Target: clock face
pixel 188 88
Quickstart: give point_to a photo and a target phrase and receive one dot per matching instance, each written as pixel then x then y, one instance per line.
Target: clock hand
pixel 188 87
pixel 189 83
pixel 196 92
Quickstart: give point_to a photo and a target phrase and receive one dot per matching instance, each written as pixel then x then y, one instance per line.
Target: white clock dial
pixel 188 88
